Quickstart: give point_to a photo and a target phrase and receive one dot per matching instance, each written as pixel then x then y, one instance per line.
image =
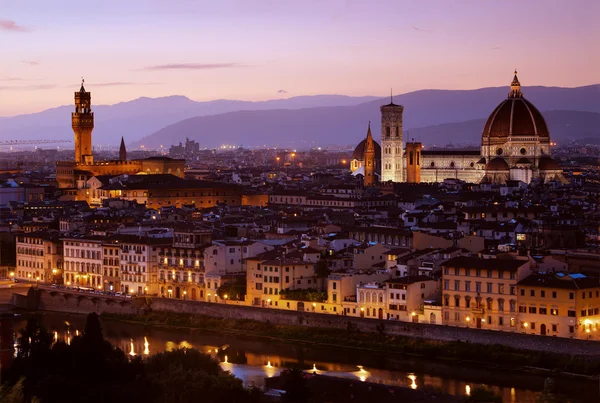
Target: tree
pixel 295 386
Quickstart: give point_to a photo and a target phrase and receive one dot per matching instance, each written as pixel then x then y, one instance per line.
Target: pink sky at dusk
pixel 266 49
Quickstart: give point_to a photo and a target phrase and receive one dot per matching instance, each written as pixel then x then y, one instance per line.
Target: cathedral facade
pixel 75 174
pixel 515 145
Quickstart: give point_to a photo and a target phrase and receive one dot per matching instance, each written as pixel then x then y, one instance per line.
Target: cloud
pixel 120 84
pixel 421 29
pixel 27 87
pixel 9 25
pixel 30 62
pixel 7 78
pixel 282 92
pixel 191 66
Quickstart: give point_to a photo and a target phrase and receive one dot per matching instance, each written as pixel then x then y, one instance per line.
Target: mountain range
pixel 432 116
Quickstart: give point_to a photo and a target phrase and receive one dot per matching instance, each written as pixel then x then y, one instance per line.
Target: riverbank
pixel 472 354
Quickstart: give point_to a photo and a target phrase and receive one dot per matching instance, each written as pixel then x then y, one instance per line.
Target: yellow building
pixel 39 257
pixel 562 305
pixel 482 293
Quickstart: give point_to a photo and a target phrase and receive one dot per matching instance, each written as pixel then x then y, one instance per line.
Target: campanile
pixel 82 122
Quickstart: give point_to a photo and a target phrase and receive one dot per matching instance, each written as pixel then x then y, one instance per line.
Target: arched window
pixel 387 131
pixel 410 158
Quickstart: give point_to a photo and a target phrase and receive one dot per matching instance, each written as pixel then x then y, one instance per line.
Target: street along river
pixel 254 359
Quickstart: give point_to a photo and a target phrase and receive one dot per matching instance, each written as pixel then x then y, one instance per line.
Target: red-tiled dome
pixel 515 116
pixel 360 150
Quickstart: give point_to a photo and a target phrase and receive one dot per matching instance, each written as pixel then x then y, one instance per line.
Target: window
pixel 543 294
pixel 513 290
pixel 554 328
pixel 489 274
pixel 512 322
pixel 532 325
pixel 543 311
pixel 522 292
pixel 583 312
pixel 522 309
pixel 583 295
pixel 500 321
pixel 477 287
pixel 554 312
pixel 500 288
pixel 571 295
pixel 553 294
pixel 467 286
pixel 489 319
pixel 489 288
pixel 446 284
pixel 478 273
pixel 571 314
pixel 456 285
pixel 446 300
pixel 501 305
pixel 532 309
pixel 571 329
pixel 532 293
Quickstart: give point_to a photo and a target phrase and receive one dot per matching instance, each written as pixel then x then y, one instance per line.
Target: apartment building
pixel 139 263
pixel 559 304
pixel 39 257
pixel 181 265
pixel 482 293
pixel 84 261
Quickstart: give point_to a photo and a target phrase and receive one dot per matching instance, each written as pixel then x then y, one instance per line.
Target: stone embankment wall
pixel 435 332
pixel 73 302
pixel 60 300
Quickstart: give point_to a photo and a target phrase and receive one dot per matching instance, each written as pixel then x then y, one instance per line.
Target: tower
pixel 82 122
pixel 391 142
pixel 122 150
pixel 413 162
pixel 369 156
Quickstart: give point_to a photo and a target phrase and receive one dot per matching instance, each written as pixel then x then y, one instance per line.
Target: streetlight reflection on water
pixel 413 379
pixel 361 374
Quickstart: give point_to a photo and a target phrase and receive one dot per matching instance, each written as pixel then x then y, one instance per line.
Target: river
pixel 253 360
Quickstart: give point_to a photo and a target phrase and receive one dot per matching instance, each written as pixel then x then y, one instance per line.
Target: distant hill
pixel 564 126
pixel 343 125
pixel 294 122
pixel 143 116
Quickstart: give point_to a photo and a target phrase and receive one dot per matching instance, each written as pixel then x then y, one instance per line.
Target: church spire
pixel 122 150
pixel 515 87
pixel 370 146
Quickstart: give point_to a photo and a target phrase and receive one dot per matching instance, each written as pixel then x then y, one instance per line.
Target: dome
pixel 515 116
pixel 497 164
pixel 548 164
pixel 360 150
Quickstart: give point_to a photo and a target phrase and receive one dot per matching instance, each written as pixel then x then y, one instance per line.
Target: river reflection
pixel 253 360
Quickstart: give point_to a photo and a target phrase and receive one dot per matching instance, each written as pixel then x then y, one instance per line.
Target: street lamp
pixel 184 294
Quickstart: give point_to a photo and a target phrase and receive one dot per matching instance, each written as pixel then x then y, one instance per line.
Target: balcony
pixel 478 311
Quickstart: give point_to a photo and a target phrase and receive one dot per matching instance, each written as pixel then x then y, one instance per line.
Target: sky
pixel 269 49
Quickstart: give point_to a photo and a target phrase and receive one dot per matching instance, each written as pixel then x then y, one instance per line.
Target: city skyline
pixel 268 50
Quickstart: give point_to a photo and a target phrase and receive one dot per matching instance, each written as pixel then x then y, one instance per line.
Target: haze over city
pixel 260 50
